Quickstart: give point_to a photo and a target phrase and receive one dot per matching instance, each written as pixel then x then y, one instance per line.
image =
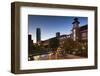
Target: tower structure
pixel 30 44
pixel 75 29
pixel 57 34
pixel 38 35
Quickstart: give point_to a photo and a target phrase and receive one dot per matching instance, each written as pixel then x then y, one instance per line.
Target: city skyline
pixel 49 25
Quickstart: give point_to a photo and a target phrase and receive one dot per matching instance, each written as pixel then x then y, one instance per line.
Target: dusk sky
pixel 49 25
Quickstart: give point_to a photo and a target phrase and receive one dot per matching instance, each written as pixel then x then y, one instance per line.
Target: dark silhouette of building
pixel 30 44
pixel 38 35
pixel 84 32
pixel 58 34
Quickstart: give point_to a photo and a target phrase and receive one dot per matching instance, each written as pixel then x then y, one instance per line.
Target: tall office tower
pixel 75 29
pixel 30 44
pixel 38 35
pixel 57 34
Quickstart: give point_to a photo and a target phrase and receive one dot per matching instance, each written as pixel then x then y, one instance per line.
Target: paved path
pixel 52 57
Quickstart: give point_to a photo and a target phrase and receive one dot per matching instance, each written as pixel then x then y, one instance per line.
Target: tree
pixel 68 44
pixel 54 43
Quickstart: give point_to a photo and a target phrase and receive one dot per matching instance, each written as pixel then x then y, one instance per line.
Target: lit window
pixel 84 35
pixel 74 35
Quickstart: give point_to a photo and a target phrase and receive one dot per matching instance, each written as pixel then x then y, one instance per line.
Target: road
pixel 55 56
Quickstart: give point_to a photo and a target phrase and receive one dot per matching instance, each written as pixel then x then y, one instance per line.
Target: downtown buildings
pixel 78 35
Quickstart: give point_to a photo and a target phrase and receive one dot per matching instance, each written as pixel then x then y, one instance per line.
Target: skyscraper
pixel 38 35
pixel 30 44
